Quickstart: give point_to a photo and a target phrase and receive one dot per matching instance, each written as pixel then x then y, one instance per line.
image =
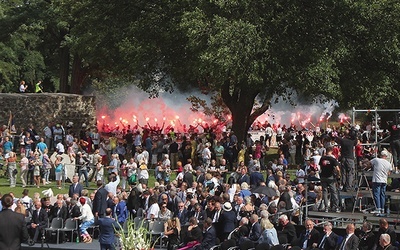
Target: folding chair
pixel 56 224
pixel 157 228
pixel 71 225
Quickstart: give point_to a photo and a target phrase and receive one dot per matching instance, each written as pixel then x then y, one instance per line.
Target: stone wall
pixel 41 108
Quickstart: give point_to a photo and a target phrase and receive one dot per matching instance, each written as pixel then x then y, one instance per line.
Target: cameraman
pixel 329 172
pixel 347 144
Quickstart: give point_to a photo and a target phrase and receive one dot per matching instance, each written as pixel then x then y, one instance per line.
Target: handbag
pixel 15 171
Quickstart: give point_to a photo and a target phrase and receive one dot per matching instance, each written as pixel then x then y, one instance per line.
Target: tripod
pixel 43 239
pixel 363 177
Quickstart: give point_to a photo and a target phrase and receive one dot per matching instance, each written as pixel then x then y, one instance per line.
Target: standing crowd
pixel 219 194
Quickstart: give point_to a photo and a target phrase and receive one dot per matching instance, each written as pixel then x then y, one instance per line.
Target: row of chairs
pixel 57 225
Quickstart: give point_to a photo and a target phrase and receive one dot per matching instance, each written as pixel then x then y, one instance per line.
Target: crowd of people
pixel 219 194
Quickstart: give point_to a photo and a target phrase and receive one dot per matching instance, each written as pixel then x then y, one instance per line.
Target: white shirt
pixel 60 148
pixel 86 212
pixel 381 170
pixel 112 186
pixel 153 209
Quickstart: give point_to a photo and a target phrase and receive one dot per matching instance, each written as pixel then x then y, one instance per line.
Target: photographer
pixel 347 144
pixel 394 130
pixel 329 172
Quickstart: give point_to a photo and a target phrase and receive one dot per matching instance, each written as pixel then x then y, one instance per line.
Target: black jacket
pixel 13 230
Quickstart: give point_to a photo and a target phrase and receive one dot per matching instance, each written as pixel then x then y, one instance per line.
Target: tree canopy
pixel 244 51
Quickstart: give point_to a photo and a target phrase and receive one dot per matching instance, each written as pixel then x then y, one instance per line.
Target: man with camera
pixel 330 171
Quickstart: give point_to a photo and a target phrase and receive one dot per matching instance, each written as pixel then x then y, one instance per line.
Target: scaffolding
pixel 377 143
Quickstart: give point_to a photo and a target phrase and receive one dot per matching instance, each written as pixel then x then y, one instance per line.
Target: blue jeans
pixel 84 172
pixel 379 192
pixel 85 225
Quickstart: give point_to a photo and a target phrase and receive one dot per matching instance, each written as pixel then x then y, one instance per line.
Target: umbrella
pixel 270 192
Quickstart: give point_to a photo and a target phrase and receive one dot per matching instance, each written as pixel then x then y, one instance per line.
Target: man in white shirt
pixel 382 169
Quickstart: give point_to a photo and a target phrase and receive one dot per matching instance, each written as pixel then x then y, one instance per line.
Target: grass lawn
pixel 5 185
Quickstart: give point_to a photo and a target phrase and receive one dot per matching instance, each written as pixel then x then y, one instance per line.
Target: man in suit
pixel 256 178
pixel 188 176
pixel 310 237
pixel 73 209
pixel 384 228
pixel 209 236
pixel 286 230
pixel 39 221
pixel 100 200
pixel 106 226
pixel 329 240
pixel 227 220
pixel 13 229
pixel 244 177
pixel 351 241
pixel 75 187
pixel 59 211
pixel 255 228
pixel 200 176
pixel 182 213
pixel 198 213
pixel 120 211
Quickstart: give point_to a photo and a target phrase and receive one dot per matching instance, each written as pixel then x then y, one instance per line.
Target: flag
pixel 11 125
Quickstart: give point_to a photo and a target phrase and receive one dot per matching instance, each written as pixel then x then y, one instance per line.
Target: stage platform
pixel 67 245
pixel 340 220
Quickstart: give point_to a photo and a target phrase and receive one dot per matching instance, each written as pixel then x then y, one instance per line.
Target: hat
pixel 227 207
pixel 124 162
pixel 83 125
pixel 190 190
pixel 384 153
pixel 316 152
pixel 143 167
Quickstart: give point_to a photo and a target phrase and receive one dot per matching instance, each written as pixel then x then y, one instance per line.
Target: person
pixel 22 87
pixel 384 243
pixel 209 236
pixel 59 211
pixel 38 87
pixel 181 213
pixel 329 240
pixel 165 214
pixel 75 187
pixel 382 169
pixel 100 200
pixel 329 171
pixel 13 228
pixel 347 145
pixel 106 226
pixel 394 130
pixel 120 211
pixel 367 237
pixel 193 236
pixel 286 230
pixel 351 241
pixel 12 168
pixel 384 228
pixel 227 220
pixel 310 237
pixel 59 170
pixel 269 234
pixel 24 169
pixel 172 230
pixel 87 219
pixel 39 221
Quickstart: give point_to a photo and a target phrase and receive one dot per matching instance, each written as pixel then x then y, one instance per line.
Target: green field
pixel 5 186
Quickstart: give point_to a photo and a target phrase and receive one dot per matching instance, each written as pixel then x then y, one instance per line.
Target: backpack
pixel 132 179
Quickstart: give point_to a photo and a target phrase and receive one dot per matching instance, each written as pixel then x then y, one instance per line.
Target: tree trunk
pixel 64 69
pixel 78 75
pixel 240 102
